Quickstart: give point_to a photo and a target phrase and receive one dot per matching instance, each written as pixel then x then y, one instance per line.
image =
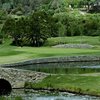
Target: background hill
pixel 29 5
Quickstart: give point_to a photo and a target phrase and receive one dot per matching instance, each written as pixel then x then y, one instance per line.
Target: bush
pixel 76 24
pixel 1 38
pixel 18 98
pixel 19 13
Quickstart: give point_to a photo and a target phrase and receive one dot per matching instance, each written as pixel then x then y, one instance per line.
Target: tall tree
pixel 39 28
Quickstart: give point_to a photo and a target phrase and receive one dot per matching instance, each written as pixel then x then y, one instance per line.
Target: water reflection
pixel 61 98
pixel 45 96
pixel 65 68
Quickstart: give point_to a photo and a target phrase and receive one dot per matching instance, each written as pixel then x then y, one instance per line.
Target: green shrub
pixel 18 98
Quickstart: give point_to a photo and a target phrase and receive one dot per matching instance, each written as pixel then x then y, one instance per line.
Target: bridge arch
pixel 5 87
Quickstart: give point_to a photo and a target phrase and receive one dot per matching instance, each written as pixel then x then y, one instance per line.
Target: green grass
pixel 10 54
pixel 11 98
pixel 14 54
pixel 75 39
pixel 87 84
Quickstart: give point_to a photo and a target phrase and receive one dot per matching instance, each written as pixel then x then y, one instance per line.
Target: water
pixel 65 68
pixel 50 96
pixel 61 98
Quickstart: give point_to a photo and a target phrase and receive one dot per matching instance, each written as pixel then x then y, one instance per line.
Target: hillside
pixel 29 5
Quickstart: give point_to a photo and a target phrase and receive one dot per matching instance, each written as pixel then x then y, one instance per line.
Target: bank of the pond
pixel 54 60
pixel 86 85
pixel 81 84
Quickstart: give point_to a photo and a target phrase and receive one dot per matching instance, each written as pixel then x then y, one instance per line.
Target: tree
pixel 33 30
pixel 16 29
pixel 58 5
pixel 39 28
pixel 53 27
pixel 9 26
pixel 21 29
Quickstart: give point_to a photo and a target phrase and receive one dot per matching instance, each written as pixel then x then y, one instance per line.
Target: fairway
pixel 11 54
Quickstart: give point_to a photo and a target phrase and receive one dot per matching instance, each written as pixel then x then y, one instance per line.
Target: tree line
pixel 77 24
pixel 26 6
pixel 35 29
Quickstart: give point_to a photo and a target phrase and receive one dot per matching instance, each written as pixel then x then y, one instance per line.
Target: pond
pixel 60 68
pixel 36 95
pixel 65 68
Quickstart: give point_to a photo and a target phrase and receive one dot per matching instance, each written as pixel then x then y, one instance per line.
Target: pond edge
pixel 46 60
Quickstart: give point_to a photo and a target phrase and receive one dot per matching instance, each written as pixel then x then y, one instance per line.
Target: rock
pixel 73 46
pixel 18 77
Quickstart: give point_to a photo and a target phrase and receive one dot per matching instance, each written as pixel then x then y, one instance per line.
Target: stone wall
pixel 55 60
pixel 18 77
pixel 84 46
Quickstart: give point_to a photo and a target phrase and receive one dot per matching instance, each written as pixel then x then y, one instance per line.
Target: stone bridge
pixel 18 77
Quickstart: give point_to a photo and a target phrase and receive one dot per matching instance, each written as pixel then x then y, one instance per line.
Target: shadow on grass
pixel 10 53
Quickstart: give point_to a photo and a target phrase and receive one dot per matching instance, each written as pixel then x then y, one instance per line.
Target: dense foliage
pixel 33 30
pixel 2 20
pixel 31 22
pixel 75 23
pixel 25 6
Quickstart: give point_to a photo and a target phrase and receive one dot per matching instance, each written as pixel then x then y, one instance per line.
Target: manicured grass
pixel 10 54
pixel 11 98
pixel 75 39
pixel 86 84
pixel 14 54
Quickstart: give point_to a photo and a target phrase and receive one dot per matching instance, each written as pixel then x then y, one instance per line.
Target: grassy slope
pixel 87 84
pixel 14 54
pixel 9 54
pixel 74 39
